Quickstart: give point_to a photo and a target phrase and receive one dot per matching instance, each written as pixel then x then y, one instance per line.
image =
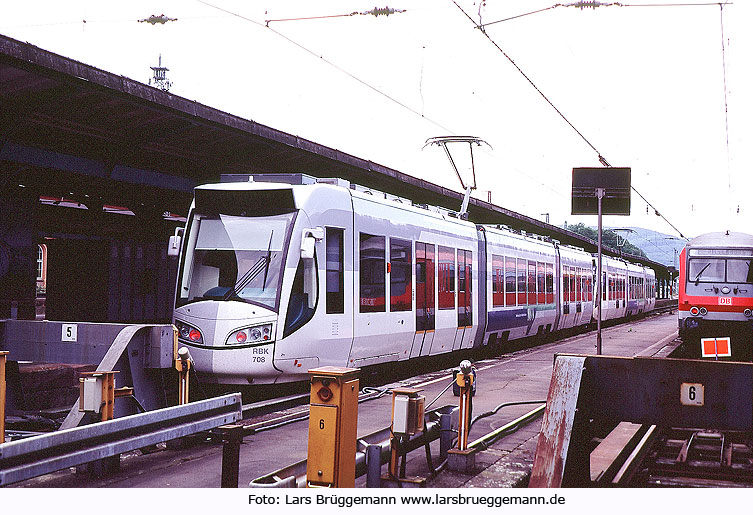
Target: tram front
pixel 230 278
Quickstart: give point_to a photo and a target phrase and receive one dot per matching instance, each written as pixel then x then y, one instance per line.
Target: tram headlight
pixel 694 311
pixel 189 333
pixel 748 312
pixel 248 335
pixel 703 312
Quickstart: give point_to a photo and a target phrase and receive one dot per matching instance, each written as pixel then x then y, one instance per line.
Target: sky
pixel 663 90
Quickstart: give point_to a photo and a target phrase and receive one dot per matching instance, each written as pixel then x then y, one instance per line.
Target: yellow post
pixel 183 366
pixel 465 382
pixel 462 459
pixel 333 421
pixel 3 357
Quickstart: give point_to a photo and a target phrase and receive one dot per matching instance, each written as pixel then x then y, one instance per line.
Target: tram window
pixel 498 274
pixel 532 283
pixel 583 290
pixel 510 295
pixel 549 283
pixel 522 282
pixel 541 283
pixel 335 273
pixel 604 286
pixel 589 286
pixel 372 273
pixel 300 308
pixel 465 276
pixel 424 286
pixel 566 284
pixel 572 283
pixel 401 280
pixel 446 278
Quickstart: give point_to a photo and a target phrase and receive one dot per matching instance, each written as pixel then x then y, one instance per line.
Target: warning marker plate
pixel 716 347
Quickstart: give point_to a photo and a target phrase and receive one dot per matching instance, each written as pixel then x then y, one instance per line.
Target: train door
pixel 400 305
pixel 339 295
pixel 446 314
pixel 465 308
pixel 425 299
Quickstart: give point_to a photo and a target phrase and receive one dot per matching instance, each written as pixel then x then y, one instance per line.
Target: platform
pixel 517 376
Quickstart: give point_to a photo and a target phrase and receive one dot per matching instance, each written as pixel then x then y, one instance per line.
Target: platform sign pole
pixel 3 357
pixel 611 187
pixel 600 196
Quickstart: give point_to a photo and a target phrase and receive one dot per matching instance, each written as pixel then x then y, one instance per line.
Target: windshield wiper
pixel 702 270
pixel 262 264
pixel 269 258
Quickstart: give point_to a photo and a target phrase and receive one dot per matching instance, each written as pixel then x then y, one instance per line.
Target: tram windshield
pixel 234 258
pixel 715 270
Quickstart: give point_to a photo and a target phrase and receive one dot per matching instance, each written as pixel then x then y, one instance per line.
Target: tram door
pixel 465 309
pixel 425 300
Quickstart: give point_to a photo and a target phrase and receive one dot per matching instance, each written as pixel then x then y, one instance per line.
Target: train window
pixel 572 284
pixel 522 282
pixel 532 282
pixel 335 272
pixel 465 260
pixel 498 274
pixel 604 286
pixel 739 271
pixel 549 283
pixel 424 286
pixel 510 294
pixel 706 270
pixel 300 308
pixel 401 279
pixel 372 274
pixel 578 285
pixel 541 282
pixel 584 295
pixel 566 284
pixel 589 286
pixel 446 278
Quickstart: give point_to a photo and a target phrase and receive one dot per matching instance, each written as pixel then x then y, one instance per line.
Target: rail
pixel 44 454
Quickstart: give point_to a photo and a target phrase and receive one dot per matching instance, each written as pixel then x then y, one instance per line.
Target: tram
pixel 283 273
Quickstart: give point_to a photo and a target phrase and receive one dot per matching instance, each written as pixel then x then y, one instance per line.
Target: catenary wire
pixel 330 63
pixel 601 158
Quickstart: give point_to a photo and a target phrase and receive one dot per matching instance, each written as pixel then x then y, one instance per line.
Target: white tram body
pixel 276 278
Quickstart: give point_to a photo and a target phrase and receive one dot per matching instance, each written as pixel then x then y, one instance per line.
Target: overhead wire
pixel 593 4
pixel 726 108
pixel 330 63
pixel 361 81
pixel 601 158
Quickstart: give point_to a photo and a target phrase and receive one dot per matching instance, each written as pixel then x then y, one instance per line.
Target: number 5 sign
pixel 70 333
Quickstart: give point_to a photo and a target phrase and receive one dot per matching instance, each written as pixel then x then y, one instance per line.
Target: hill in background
pixel 660 247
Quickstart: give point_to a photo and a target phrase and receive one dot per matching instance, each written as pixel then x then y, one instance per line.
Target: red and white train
pixel 716 289
pixel 276 278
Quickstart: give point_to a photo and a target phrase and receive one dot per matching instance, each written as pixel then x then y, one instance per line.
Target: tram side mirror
pixel 308 242
pixel 173 246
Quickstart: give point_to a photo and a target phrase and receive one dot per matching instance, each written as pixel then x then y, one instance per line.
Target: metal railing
pixel 44 454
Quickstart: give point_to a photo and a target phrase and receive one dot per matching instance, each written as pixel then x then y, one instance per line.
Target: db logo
pixel 725 301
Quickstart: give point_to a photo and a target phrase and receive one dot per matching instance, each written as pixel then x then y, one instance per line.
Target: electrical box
pixel 333 421
pixel 91 394
pixel 407 411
